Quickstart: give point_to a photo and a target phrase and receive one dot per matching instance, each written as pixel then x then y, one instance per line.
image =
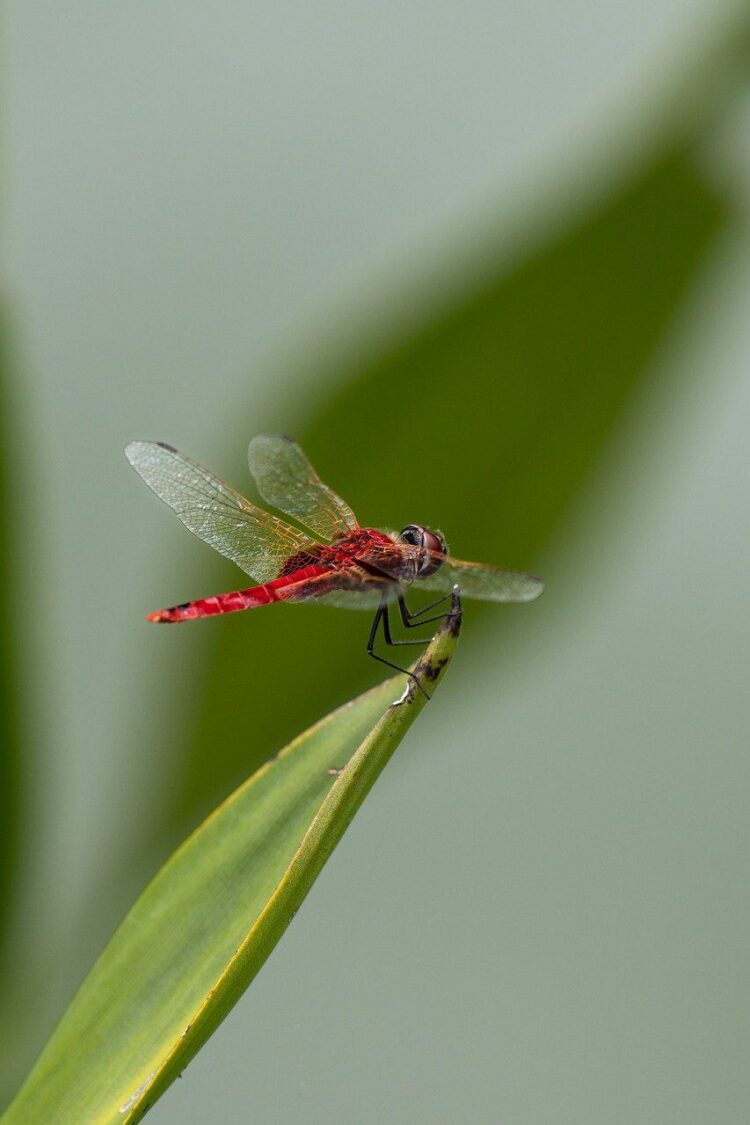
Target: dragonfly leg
pixel 395 644
pixel 414 620
pixel 381 614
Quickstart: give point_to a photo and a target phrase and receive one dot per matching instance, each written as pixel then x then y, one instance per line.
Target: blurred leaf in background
pixel 484 423
pixel 10 733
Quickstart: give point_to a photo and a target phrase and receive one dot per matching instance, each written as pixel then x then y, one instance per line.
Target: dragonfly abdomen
pixel 237 600
pixel 221 603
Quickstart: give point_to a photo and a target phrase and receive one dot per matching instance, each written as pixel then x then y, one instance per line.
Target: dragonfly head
pixel 431 543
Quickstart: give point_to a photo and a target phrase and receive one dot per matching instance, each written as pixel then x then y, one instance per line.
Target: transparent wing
pixel 367 598
pixel 286 480
pixel 256 541
pixel 485 583
pixel 322 589
pixel 352 588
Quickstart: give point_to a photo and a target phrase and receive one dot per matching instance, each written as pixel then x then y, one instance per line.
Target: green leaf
pixel 199 933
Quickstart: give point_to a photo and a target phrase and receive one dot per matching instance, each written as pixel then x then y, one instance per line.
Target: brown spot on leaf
pixel 432 669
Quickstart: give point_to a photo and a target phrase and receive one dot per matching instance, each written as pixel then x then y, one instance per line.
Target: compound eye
pixel 434 542
pixel 434 552
pixel 412 534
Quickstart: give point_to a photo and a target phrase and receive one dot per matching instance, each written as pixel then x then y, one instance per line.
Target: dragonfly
pixel 319 552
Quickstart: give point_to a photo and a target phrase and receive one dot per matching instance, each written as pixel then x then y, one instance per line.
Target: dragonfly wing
pixel 256 541
pixel 286 480
pixel 347 587
pixel 319 592
pixel 485 583
pixel 368 597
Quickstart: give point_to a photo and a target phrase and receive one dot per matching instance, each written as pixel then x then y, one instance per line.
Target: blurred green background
pixel 490 264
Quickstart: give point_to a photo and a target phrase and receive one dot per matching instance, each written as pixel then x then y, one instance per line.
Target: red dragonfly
pixel 324 555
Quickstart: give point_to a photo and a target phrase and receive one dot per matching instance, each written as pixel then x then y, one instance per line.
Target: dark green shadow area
pixel 485 422
pixel 10 730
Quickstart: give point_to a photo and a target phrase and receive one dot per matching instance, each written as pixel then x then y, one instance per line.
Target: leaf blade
pixel 201 930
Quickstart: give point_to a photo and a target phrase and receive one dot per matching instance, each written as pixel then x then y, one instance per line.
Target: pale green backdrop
pixel 220 218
